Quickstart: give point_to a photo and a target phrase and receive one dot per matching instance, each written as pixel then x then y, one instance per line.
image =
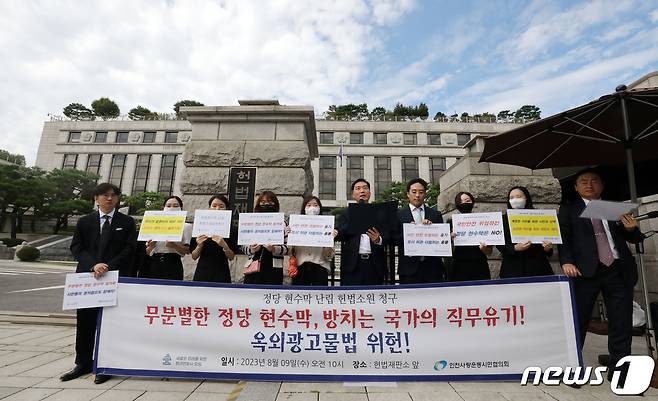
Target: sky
pixel 457 56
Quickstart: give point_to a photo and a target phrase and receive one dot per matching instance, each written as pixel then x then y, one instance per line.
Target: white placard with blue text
pixel 260 228
pixel 82 290
pixel 476 228
pixel 313 231
pixel 212 222
pixel 426 239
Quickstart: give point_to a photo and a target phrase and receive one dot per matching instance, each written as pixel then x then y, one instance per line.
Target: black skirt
pixel 166 266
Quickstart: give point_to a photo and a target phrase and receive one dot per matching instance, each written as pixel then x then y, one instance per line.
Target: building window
pixel 69 161
pixel 434 139
pixel 116 169
pixel 354 171
pixel 326 138
pixel 380 138
pixel 94 164
pixel 101 137
pixel 74 136
pixel 122 137
pixel 410 138
pixel 382 174
pixel 327 177
pixel 462 139
pixel 149 137
pixel 356 138
pixel 141 174
pixel 437 167
pixel 409 168
pixel 171 137
pixel 167 174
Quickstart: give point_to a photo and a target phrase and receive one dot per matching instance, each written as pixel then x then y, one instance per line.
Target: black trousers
pixel 618 298
pixel 365 273
pixel 311 274
pixel 429 271
pixel 85 335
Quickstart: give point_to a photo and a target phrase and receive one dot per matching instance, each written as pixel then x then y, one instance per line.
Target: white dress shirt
pixel 102 220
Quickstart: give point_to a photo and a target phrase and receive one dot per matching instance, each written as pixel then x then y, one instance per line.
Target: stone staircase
pixel 57 249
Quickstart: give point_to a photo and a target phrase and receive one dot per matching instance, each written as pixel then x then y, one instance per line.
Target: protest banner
pixel 474 228
pixel 260 228
pixel 314 231
pixel 379 333
pixel 162 226
pixel 82 290
pixel 212 222
pixel 534 225
pixel 426 239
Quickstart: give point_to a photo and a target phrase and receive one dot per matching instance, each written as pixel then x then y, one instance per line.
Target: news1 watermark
pixel 640 370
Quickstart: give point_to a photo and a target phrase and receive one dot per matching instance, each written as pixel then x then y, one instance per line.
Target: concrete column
pixel 180 168
pixel 422 138
pixel 368 138
pixel 154 173
pixel 369 173
pixel 396 168
pixel 341 179
pixel 315 166
pixel 106 163
pixel 129 174
pixel 424 168
pixel 81 163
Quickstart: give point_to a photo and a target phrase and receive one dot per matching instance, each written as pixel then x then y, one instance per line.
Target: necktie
pixel 417 216
pixel 105 234
pixel 602 243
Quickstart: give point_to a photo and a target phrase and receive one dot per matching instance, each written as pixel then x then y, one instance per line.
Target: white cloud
pixel 653 16
pixel 154 53
pixel 620 31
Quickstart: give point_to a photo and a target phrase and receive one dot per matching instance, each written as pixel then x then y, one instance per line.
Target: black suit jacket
pixel 119 248
pixel 408 265
pixel 579 244
pixel 349 247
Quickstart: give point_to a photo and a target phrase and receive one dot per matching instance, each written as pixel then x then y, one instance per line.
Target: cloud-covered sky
pixel 473 56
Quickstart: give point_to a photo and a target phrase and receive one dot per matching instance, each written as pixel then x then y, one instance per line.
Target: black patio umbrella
pixel 619 129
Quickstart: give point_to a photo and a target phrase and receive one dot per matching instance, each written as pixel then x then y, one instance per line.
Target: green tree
pixel 528 112
pixel 140 113
pixel 139 203
pixel 397 191
pixel 504 116
pixel 487 117
pixel 105 108
pixel 77 111
pixel 12 158
pixel 347 111
pixel 439 116
pixel 378 113
pixel 464 117
pixel 21 188
pixel 71 194
pixel 183 103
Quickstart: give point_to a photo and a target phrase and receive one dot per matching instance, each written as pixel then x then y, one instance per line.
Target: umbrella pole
pixel 630 169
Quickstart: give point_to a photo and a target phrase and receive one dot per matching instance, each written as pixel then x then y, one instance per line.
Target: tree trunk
pixel 19 223
pixel 58 224
pixel 13 224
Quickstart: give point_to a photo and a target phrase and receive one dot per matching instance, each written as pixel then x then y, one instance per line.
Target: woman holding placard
pixel 469 262
pixel 313 263
pixel 524 259
pixel 270 257
pixel 166 255
pixel 212 253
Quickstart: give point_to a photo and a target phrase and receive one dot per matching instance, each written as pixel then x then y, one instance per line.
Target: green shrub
pixel 28 253
pixel 12 242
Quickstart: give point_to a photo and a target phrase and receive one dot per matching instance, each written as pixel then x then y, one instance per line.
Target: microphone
pixel 650 215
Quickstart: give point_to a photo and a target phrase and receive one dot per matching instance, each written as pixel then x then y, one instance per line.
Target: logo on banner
pixel 640 370
pixel 440 365
pixel 166 360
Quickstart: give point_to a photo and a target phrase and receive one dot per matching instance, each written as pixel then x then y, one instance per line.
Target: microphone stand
pixel 649 331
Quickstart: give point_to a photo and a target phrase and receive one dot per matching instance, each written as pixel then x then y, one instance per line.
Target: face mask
pixel 312 210
pixel 172 209
pixel 517 203
pixel 465 207
pixel 267 208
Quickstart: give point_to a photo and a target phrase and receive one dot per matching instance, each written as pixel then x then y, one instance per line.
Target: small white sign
pixel 427 239
pixel 474 228
pixel 315 231
pixel 260 228
pixel 82 290
pixel 212 222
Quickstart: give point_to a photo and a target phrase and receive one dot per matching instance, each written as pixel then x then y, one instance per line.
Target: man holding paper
pixel 418 269
pixel 103 240
pixel 594 252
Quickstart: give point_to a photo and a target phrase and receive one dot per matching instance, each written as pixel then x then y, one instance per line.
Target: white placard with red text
pixel 474 228
pixel 83 290
pixel 444 332
pixel 426 239
pixel 260 228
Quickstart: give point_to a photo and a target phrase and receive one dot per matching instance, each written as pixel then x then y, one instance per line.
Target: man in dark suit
pixel 362 257
pixel 418 269
pixel 595 254
pixel 103 240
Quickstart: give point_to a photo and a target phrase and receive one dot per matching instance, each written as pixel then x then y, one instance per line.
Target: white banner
pixel 451 331
pixel 427 239
pixel 82 290
pixel 473 228
pixel 212 222
pixel 315 231
pixel 260 228
pixel 534 225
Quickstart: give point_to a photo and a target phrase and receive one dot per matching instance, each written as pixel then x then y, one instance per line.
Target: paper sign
pixel 162 226
pixel 82 290
pixel 607 210
pixel 427 239
pixel 534 225
pixel 260 228
pixel 473 228
pixel 212 222
pixel 316 231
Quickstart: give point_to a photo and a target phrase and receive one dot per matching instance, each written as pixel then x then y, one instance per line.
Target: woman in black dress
pixel 270 256
pixel 524 259
pixel 469 262
pixel 166 256
pixel 212 253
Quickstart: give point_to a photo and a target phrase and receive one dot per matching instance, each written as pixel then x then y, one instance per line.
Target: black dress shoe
pixel 100 379
pixel 74 373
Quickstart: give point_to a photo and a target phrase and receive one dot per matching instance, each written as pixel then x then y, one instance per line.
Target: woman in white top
pixel 166 255
pixel 314 263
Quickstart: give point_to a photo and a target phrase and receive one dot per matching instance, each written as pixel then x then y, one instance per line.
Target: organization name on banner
pixel 474 228
pixel 162 226
pixel 426 239
pixel 260 228
pixel 534 225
